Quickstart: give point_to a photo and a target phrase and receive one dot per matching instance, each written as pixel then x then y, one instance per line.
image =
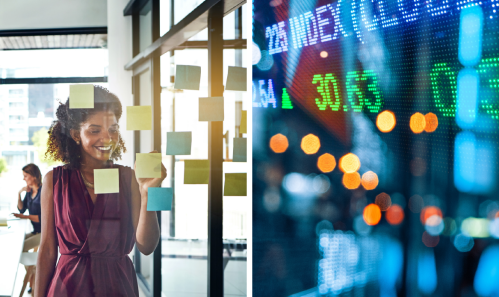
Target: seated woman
pixel 31 202
pixel 94 232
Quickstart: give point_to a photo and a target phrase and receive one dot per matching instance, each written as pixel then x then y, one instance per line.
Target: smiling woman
pixel 95 230
pixel 63 140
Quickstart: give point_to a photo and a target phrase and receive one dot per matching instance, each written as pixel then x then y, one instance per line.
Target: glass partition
pixel 26 113
pixel 185 244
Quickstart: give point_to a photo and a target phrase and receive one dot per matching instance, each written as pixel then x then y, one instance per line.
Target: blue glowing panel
pixel 470 36
pixel 474 164
pixel 487 273
pixel 468 84
pixel 427 272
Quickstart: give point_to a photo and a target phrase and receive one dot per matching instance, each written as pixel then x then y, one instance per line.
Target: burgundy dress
pixel 94 240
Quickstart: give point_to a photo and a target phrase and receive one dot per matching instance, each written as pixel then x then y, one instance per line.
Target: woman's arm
pixel 34 218
pixel 145 222
pixel 21 204
pixel 47 253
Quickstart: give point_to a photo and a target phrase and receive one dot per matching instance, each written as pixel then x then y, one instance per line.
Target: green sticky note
pixel 211 109
pixel 243 127
pixel 235 184
pixel 187 77
pixel 240 145
pixel 148 165
pixel 81 96
pixel 196 172
pixel 106 181
pixel 159 199
pixel 236 79
pixel 178 143
pixel 139 117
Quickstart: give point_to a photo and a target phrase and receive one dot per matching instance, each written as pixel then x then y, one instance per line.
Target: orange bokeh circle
pixel 279 143
pixel 431 120
pixel 326 163
pixel 370 180
pixel 351 181
pixel 310 144
pixel 417 123
pixel 349 163
pixel 386 121
pixel 395 214
pixel 372 214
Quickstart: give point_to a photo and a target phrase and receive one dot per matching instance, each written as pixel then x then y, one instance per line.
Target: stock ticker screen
pixel 375 140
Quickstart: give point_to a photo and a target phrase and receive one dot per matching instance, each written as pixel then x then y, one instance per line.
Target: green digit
pixel 325 91
pixel 445 98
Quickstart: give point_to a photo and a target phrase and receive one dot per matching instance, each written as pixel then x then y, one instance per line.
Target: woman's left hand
pixel 20 215
pixel 145 183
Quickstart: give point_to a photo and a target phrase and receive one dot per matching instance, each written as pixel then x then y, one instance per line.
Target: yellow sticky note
pixel 81 96
pixel 243 128
pixel 196 172
pixel 139 117
pixel 148 165
pixel 106 181
pixel 235 184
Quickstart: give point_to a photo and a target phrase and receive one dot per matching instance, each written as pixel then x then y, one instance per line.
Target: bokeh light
pixel 431 120
pixel 497 214
pixel 429 240
pixel 429 211
pixel 475 227
pixel 416 203
pixel 395 215
pixel 324 54
pixel 349 163
pixel 370 180
pixel 417 123
pixel 449 226
pixel 384 201
pixel 372 214
pixel 434 225
pixel 360 226
pixel 326 163
pixel 463 243
pixel 386 121
pixel 494 228
pixel 279 143
pixel 310 144
pixel 351 181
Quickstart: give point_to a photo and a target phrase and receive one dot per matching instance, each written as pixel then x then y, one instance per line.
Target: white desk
pixel 11 248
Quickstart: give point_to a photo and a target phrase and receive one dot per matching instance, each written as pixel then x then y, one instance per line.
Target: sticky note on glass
pixel 106 181
pixel 243 127
pixel 239 150
pixel 235 184
pixel 187 77
pixel 159 199
pixel 139 117
pixel 81 96
pixel 236 79
pixel 196 172
pixel 148 165
pixel 178 143
pixel 211 109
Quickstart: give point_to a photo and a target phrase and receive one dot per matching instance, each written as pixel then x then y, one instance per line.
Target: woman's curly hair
pixel 61 146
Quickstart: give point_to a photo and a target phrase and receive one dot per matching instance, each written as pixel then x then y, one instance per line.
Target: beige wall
pixel 119 30
pixel 45 14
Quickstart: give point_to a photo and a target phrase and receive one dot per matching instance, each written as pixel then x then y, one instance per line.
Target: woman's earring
pixel 78 142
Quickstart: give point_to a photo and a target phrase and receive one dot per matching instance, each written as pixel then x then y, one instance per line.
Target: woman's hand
pixel 20 215
pixel 25 189
pixel 145 183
